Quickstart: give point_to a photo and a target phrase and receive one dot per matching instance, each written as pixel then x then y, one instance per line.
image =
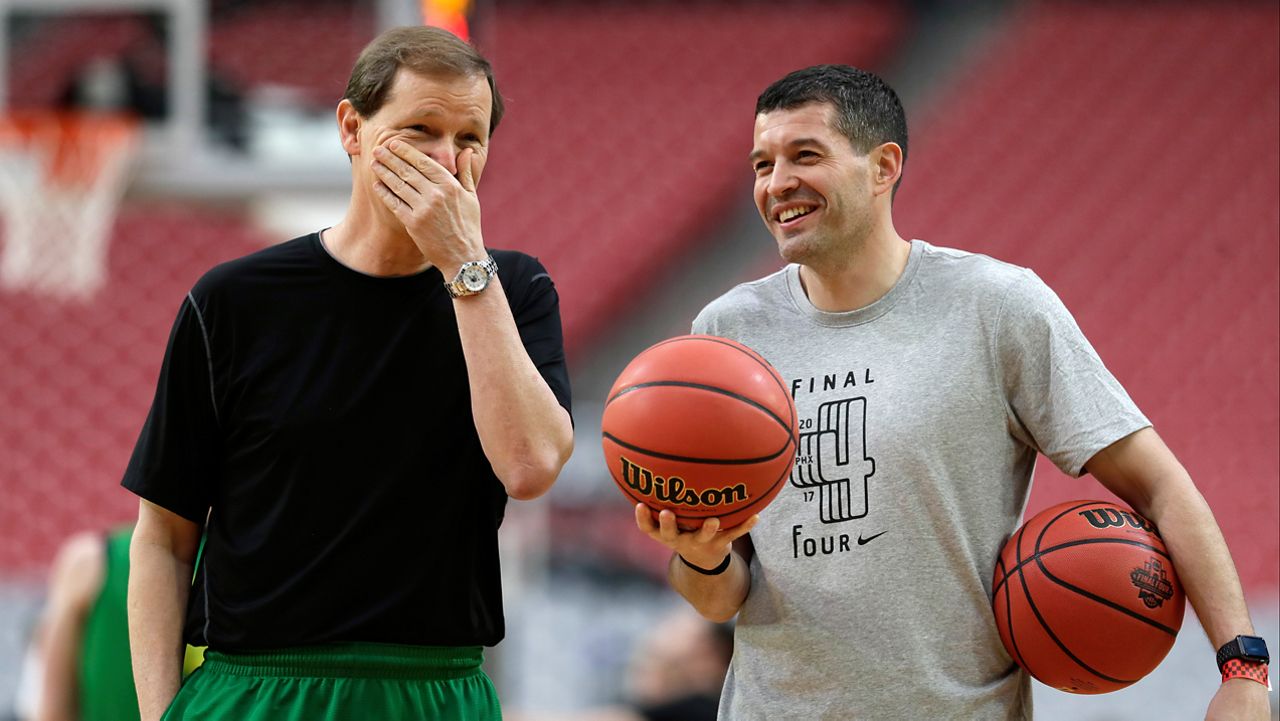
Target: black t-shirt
pixel 324 416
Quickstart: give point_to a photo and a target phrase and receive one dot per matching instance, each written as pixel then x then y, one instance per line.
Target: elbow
pixel 722 614
pixel 528 486
pixel 529 469
pixel 720 608
pixel 533 476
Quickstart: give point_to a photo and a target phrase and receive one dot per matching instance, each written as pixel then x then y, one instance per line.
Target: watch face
pixel 475 278
pixel 1253 647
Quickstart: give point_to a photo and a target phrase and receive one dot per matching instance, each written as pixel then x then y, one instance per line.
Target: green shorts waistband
pixel 351 660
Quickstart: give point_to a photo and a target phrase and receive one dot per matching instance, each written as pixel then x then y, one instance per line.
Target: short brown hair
pixel 422 49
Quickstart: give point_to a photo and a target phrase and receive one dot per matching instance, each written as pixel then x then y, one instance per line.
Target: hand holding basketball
pixel 705 547
pixel 701 426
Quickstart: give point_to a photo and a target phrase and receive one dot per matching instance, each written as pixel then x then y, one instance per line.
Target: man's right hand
pixel 716 596
pixel 440 212
pixel 705 547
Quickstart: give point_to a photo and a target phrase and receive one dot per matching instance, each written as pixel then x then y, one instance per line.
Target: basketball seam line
pixel 1104 601
pixel 757 499
pixel 1088 541
pixel 1081 591
pixel 1032 604
pixel 764 363
pixel 702 387
pixel 707 461
pixel 1047 629
pixel 1022 531
pixel 1009 604
pixel 753 355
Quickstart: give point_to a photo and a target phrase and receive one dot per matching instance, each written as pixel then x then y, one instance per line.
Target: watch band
pixel 458 288
pixel 1252 670
pixel 1244 648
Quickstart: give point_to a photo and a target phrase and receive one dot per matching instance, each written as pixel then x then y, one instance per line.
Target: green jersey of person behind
pixel 106 670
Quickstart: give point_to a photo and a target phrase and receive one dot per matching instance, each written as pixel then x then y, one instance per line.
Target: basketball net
pixel 62 176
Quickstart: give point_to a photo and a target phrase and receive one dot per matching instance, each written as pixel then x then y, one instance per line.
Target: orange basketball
pixel 703 426
pixel 1086 598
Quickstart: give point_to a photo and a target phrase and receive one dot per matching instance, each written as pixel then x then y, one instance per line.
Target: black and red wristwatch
pixel 1245 657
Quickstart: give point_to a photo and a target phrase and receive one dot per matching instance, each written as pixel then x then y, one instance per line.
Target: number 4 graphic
pixel 832 457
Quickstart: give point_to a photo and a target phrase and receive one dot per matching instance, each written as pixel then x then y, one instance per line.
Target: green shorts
pixel 340 682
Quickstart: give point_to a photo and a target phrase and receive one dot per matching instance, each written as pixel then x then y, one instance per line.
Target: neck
pixel 859 279
pixel 373 245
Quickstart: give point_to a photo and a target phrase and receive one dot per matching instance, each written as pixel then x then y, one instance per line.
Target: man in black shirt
pixel 345 415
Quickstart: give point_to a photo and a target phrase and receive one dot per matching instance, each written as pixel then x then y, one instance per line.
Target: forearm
pixel 1212 585
pixel 1201 558
pixel 159 583
pixel 525 433
pixel 717 598
pixel 1143 472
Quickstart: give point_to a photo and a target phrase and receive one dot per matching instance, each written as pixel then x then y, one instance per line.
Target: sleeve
pixel 176 457
pixel 537 315
pixel 1061 399
pixel 714 319
pixel 703 323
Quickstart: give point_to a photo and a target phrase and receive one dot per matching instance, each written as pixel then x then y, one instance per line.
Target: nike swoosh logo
pixel 864 541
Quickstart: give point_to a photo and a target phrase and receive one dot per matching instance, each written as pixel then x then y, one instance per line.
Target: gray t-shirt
pixel 920 419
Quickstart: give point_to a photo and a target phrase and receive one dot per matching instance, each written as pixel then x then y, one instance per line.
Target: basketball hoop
pixel 62 176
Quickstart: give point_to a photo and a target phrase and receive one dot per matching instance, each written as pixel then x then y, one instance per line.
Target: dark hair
pixel 867 111
pixel 424 50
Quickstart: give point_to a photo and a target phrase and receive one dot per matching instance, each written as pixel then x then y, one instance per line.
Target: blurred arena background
pixel 1126 151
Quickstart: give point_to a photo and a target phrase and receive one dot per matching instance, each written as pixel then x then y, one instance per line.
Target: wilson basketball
pixel 1086 598
pixel 703 426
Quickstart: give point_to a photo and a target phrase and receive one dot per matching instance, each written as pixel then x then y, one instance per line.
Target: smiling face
pixel 440 115
pixel 812 188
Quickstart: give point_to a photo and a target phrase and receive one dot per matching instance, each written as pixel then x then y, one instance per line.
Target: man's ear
pixel 349 122
pixel 886 167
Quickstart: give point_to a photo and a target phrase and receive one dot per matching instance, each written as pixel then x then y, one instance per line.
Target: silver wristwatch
pixel 472 277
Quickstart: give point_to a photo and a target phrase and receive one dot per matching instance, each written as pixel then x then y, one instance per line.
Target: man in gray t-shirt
pixel 926 381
